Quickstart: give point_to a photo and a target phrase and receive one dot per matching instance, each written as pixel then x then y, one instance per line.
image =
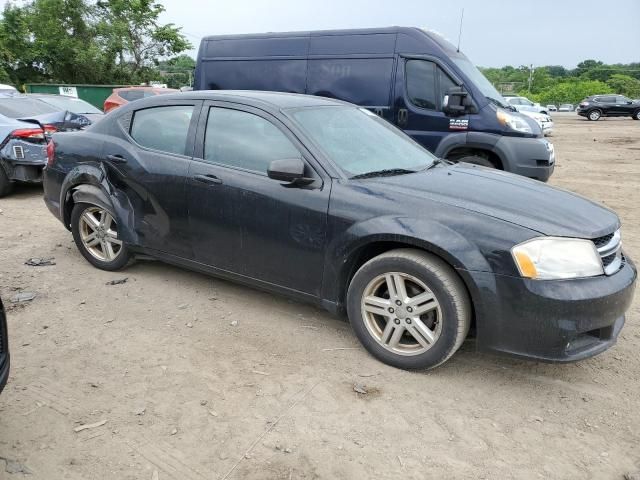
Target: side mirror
pixel 286 170
pixel 455 102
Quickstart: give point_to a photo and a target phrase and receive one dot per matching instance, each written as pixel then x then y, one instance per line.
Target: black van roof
pixel 318 33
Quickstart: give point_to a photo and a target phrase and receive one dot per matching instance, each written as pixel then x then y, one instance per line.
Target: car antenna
pixel 460 32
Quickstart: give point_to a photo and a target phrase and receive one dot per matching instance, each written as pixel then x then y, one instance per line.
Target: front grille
pixel 602 241
pixel 610 249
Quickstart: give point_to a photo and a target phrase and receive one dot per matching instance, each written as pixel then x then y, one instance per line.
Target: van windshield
pixel 360 142
pixel 480 81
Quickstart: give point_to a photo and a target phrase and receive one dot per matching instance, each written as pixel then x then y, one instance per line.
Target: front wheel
pixel 477 160
pixel 96 235
pixel 636 115
pixel 595 115
pixel 409 309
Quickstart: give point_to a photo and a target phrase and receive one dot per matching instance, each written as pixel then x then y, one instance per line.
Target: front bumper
pixel 530 157
pixel 552 320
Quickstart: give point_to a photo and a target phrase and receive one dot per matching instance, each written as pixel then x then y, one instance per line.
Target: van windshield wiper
pixel 384 173
pixel 499 103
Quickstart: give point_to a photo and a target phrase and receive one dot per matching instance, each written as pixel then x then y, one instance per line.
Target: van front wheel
pixel 477 160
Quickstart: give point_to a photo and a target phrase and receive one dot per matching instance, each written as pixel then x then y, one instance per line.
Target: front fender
pixel 469 243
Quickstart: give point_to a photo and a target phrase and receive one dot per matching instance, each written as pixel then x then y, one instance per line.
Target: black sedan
pixel 326 202
pixel 4 348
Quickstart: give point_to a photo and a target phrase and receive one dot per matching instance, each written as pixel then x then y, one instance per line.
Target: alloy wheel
pixel 595 115
pixel 99 234
pixel 401 313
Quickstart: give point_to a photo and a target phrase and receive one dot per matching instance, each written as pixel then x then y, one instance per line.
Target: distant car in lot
pixel 523 104
pixel 597 106
pixel 25 124
pixel 122 96
pixel 7 88
pixel 552 108
pixel 566 107
pixel 544 120
pixel 326 202
pixel 4 348
pixel 70 104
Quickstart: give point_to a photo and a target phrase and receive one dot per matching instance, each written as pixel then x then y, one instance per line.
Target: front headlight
pixel 551 258
pixel 514 122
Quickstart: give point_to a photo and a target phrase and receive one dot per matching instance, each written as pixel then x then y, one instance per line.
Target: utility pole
pixel 531 70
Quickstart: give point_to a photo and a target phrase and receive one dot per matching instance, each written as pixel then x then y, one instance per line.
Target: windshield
pixel 19 107
pixel 360 142
pixel 479 80
pixel 74 105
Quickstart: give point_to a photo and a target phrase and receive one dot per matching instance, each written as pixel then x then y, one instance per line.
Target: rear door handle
pixel 210 179
pixel 116 159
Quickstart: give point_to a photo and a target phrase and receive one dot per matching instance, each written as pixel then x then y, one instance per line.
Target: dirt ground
pixel 197 378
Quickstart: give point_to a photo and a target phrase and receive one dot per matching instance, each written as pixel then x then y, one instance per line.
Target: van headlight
pixel 514 122
pixel 553 258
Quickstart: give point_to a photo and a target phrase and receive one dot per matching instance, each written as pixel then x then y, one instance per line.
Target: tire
pixel 594 115
pixel 445 307
pixel 477 160
pixel 5 184
pixel 636 115
pixel 100 254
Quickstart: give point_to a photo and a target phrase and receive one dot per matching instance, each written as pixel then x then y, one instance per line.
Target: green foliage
pixel 79 41
pixel 555 84
pixel 625 85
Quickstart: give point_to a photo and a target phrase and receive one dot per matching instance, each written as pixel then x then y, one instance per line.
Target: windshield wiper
pixel 384 173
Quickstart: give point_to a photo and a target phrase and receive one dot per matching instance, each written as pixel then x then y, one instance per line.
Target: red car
pixel 121 96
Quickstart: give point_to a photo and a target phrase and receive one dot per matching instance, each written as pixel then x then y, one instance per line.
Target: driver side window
pixel 244 140
pixel 427 84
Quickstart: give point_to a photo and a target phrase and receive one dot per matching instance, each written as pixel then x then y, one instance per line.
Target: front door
pixel 419 91
pixel 150 162
pixel 241 220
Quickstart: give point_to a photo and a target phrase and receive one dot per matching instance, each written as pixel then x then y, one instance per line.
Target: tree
pixel 134 36
pixel 624 85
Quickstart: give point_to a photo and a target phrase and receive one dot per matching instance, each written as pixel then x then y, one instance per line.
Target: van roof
pixel 316 33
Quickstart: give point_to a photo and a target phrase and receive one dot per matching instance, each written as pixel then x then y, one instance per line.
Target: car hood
pixel 512 198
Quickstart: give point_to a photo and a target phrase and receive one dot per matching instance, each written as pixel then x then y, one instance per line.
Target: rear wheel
pixel 5 184
pixel 409 309
pixel 594 115
pixel 96 235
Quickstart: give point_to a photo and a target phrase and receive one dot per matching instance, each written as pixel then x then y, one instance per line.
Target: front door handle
pixel 210 179
pixel 116 159
pixel 403 117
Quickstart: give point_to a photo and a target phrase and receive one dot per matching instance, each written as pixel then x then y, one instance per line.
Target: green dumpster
pixel 94 94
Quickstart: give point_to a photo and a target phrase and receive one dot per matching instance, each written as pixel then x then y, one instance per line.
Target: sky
pixel 495 32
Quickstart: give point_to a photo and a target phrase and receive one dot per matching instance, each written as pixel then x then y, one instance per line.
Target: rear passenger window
pixel 421 83
pixel 163 128
pixel 244 140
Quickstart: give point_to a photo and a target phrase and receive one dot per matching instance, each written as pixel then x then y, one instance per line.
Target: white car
pixel 523 104
pixel 545 121
pixel 552 108
pixel 566 107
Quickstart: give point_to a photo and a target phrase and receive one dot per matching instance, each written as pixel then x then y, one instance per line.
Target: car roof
pixel 275 100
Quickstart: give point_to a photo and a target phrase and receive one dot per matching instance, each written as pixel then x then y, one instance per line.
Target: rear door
pixel 150 163
pixel 241 220
pixel 419 91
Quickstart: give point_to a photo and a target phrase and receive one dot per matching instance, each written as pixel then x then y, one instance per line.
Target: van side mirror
pixel 456 101
pixel 289 170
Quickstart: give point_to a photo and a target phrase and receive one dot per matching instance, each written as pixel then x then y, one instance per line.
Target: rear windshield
pixel 74 105
pixel 20 107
